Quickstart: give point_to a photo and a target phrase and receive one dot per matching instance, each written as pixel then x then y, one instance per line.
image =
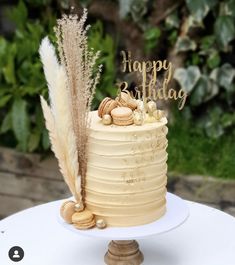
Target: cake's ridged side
pixel 126 173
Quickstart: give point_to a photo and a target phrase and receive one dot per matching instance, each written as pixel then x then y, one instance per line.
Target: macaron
pixel 125 100
pixel 85 226
pixel 122 116
pixel 83 220
pixel 67 210
pixel 106 106
pixel 102 105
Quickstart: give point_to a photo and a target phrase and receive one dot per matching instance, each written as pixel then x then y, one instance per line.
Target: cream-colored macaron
pixel 125 100
pixel 67 209
pixel 122 116
pixel 83 220
pixel 102 106
pixel 106 106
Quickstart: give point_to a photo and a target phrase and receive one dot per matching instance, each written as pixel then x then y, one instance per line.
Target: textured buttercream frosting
pixel 126 172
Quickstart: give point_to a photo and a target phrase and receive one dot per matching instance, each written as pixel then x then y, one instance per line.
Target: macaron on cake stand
pixel 123 249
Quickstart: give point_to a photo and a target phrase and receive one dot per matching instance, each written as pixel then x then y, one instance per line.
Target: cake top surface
pixel 97 125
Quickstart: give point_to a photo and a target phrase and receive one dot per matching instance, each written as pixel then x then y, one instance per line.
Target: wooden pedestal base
pixel 123 252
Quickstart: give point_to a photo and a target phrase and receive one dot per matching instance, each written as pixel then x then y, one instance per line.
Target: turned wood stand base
pixel 123 252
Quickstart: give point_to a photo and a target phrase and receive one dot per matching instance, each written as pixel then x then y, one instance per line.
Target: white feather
pixel 59 120
pixel 50 66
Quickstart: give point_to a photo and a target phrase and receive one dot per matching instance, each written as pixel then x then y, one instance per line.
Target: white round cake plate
pixel 176 214
pixel 123 248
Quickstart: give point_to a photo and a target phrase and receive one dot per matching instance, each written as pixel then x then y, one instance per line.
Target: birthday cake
pixel 114 159
pixel 126 172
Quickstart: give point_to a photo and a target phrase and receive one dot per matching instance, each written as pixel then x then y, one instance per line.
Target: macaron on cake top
pixel 126 100
pixel 106 106
pixel 122 116
pixel 125 110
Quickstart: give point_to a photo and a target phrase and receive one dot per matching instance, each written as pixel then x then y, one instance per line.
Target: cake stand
pixel 123 249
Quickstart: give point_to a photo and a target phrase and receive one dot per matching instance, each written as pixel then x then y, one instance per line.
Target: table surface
pixel 206 238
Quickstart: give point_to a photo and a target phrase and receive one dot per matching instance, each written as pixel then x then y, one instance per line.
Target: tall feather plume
pixel 58 119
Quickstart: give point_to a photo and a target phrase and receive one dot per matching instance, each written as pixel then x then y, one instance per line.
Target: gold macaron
pixel 122 116
pixel 106 106
pixel 67 210
pixel 102 105
pixel 125 100
pixel 83 220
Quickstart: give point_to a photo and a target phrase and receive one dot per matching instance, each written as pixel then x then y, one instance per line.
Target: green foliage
pixel 187 77
pixel 136 9
pixel 200 8
pixel 185 44
pixel 207 78
pixel 22 79
pixel 224 30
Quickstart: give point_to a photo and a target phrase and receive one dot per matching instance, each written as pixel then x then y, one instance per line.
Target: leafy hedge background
pixel 196 35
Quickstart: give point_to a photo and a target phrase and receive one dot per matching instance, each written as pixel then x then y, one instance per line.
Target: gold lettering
pixel 148 89
pixel 126 61
pixel 183 96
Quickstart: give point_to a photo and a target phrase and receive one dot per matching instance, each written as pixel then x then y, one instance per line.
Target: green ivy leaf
pixel 20 123
pixel 213 59
pixel 151 37
pixel 204 90
pixel 199 92
pixel 184 44
pixel 200 8
pixel 207 42
pixel 213 125
pixel 226 75
pixel 212 90
pixel 197 8
pixel 172 21
pixel 224 30
pixel 152 33
pixel 195 59
pixel 125 7
pixel 187 78
pixel 223 76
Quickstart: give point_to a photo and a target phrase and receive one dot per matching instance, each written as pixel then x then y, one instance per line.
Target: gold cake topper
pixel 148 90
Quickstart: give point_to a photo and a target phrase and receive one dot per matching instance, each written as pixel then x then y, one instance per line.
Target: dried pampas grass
pixel 79 63
pixel 71 85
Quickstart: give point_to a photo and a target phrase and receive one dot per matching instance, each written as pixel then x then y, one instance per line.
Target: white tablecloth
pixel 206 238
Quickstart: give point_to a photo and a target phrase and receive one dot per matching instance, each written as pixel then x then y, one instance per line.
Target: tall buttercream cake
pixel 126 172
